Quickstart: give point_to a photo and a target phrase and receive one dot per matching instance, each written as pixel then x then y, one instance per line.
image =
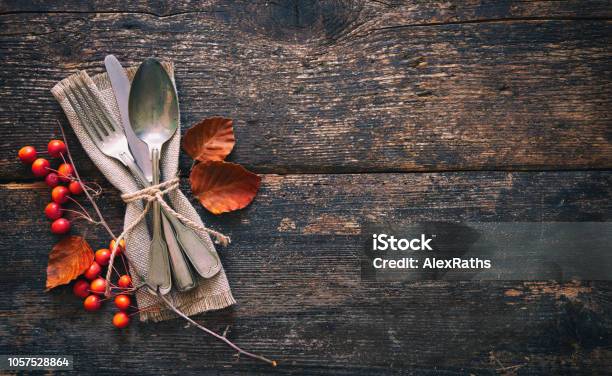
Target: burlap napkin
pixel 210 294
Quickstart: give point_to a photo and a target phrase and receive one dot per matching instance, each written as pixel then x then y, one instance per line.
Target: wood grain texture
pixel 293 15
pixel 354 111
pixel 354 88
pixel 293 268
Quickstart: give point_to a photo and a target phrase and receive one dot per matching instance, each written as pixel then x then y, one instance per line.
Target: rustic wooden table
pixel 350 111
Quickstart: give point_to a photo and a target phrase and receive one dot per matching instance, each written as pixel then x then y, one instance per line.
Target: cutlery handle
pixel 159 275
pixel 205 262
pixel 129 162
pixel 182 279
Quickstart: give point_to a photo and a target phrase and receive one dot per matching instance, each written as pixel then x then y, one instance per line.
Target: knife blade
pixel 121 87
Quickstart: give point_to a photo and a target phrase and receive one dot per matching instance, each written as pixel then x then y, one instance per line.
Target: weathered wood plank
pixel 288 17
pixel 293 269
pixel 514 94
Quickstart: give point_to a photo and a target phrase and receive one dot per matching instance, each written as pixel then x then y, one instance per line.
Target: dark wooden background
pixel 351 111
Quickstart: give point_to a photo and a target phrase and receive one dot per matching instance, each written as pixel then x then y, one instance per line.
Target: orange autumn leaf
pixel 222 186
pixel 210 140
pixel 68 259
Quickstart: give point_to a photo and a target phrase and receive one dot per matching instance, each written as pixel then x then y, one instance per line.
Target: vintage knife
pixel 121 88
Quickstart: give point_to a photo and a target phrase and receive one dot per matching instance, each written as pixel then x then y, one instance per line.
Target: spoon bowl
pixel 153 105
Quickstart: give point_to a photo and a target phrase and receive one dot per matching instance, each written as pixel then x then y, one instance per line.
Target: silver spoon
pixel 204 262
pixel 154 114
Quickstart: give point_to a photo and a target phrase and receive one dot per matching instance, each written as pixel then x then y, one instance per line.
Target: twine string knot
pixel 149 195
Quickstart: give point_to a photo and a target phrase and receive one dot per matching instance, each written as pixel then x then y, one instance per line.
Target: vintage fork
pixel 110 139
pixel 102 129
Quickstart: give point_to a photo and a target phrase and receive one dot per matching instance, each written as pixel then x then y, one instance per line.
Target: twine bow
pixel 151 194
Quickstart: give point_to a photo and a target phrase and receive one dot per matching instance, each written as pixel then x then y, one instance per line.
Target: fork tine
pixel 102 123
pixel 84 118
pixel 108 120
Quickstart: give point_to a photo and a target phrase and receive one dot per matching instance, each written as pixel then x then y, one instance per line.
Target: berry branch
pixel 218 336
pixel 86 191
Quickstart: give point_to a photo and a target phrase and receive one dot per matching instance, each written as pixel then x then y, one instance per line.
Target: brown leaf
pixel 68 259
pixel 222 186
pixel 210 140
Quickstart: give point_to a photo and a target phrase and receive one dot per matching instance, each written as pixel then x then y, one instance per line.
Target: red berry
pixel 93 271
pixel 27 154
pixel 60 194
pixel 103 256
pixel 60 226
pixel 125 281
pixel 75 187
pixel 40 167
pixel 56 148
pixel 65 172
pixel 92 303
pixel 121 247
pixel 81 288
pixel 53 211
pixel 98 285
pixel 121 319
pixel 122 302
pixel 52 179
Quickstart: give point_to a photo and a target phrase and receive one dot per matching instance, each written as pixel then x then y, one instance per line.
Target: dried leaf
pixel 210 140
pixel 222 186
pixel 68 259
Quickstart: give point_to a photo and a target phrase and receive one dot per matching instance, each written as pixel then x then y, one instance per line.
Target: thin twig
pixel 218 336
pixel 93 202
pixel 508 368
pixel 96 192
pixel 85 212
pixel 80 214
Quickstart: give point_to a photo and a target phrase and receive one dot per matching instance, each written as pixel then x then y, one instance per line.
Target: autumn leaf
pixel 210 140
pixel 68 259
pixel 222 186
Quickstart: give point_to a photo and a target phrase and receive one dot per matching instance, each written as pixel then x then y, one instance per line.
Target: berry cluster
pixel 62 182
pixel 64 185
pixel 92 288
